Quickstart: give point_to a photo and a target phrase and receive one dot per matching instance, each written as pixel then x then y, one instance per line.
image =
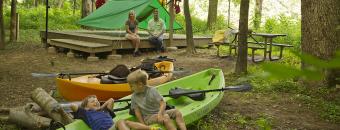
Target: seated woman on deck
pixel 131 26
pixel 100 117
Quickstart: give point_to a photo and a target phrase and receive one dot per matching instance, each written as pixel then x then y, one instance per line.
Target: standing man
pixel 156 29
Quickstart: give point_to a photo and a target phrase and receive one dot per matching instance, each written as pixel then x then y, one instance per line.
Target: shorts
pixel 130 36
pixel 153 118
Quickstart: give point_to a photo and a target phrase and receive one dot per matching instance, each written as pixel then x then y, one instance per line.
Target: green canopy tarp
pixel 114 13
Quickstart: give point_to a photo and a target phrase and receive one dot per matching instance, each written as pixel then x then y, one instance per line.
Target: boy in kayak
pixel 100 117
pixel 149 105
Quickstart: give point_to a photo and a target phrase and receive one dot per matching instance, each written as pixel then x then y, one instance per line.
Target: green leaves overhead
pixel 314 71
pixel 276 70
pixel 319 63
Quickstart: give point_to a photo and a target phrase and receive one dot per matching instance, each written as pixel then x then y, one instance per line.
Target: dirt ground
pixel 16 85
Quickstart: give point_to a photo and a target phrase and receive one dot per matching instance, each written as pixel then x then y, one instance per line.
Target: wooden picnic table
pixel 268 45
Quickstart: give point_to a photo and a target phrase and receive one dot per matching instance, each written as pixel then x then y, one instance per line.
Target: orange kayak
pixel 78 88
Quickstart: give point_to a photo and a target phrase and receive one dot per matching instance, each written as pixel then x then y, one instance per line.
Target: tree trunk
pixel 319 36
pixel 51 106
pixel 13 33
pixel 74 6
pixel 35 3
pixel 172 19
pixel 2 27
pixel 60 3
pixel 212 13
pixel 86 8
pixel 241 63
pixel 258 14
pixel 93 5
pixel 188 27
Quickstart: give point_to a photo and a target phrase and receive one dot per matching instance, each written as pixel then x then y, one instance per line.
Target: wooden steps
pixel 85 46
pixel 102 41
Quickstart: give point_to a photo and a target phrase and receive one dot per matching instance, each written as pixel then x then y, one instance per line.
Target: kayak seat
pixel 112 77
pixel 177 92
pixel 116 76
pixel 109 79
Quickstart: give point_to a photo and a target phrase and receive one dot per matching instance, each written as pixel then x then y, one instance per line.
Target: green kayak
pixel 191 110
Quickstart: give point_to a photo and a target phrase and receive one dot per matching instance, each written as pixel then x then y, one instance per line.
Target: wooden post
pixel 171 25
pixel 12 37
pixel 2 26
pixel 45 43
pixel 17 27
pixel 51 106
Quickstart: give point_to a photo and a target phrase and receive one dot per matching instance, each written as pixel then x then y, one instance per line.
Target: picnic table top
pixel 268 35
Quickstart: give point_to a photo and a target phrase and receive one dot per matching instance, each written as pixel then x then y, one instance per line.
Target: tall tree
pixel 258 14
pixel 2 27
pixel 188 28
pixel 86 8
pixel 319 36
pixel 36 3
pixel 74 4
pixel 13 26
pixel 212 13
pixel 241 63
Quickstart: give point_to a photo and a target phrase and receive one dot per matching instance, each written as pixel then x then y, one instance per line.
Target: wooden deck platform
pixel 106 41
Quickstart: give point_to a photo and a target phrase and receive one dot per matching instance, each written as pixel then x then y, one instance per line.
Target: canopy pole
pixel 171 24
pixel 46 25
pixel 228 13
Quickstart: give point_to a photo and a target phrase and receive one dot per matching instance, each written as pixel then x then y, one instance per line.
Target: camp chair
pixel 224 37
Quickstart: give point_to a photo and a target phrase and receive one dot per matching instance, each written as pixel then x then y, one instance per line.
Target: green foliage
pixel 313 72
pixel 237 2
pixel 327 109
pixel 284 25
pixel 240 119
pixel 330 111
pixel 199 27
pixel 34 18
pixel 319 63
pixel 263 123
pixel 263 83
pixel 30 35
pixel 322 100
pixel 7 15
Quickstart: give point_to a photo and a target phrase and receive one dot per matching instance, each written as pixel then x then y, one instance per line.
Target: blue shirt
pixel 97 120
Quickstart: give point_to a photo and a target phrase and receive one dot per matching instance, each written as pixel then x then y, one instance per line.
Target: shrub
pixel 34 18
